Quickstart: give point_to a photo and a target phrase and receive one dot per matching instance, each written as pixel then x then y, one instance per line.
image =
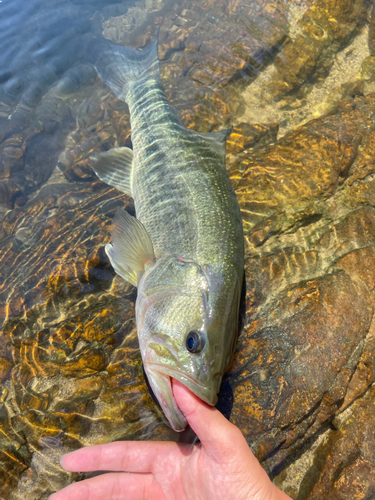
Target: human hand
pixel 222 466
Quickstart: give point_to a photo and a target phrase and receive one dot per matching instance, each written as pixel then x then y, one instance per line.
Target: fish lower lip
pixel 161 385
pixel 155 399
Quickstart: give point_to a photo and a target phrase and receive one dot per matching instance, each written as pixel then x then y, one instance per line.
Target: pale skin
pixel 221 467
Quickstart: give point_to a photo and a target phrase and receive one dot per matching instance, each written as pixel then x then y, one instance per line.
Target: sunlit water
pixel 70 368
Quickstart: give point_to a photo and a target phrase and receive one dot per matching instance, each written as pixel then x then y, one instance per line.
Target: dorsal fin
pixel 216 140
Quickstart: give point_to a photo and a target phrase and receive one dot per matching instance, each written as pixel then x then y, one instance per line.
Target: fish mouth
pixel 160 380
pixel 161 385
pixel 161 362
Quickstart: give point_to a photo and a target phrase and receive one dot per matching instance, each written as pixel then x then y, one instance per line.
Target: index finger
pixel 127 456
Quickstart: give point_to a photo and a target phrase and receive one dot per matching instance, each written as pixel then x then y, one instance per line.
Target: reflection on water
pixel 70 367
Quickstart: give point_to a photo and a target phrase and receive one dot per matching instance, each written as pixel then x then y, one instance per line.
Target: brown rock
pixel 87 363
pixel 5 368
pixel 325 26
pixel 226 45
pixel 310 285
pixel 245 136
pixel 371 35
pixel 301 383
pixel 345 466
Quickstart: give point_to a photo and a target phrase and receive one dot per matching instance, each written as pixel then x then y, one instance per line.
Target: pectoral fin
pixel 115 167
pixel 131 248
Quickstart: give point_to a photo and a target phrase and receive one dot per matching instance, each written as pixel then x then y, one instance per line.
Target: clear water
pixel 70 368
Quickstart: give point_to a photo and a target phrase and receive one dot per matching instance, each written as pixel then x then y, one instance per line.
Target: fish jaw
pixel 162 361
pixel 160 380
pixel 161 385
pixel 207 394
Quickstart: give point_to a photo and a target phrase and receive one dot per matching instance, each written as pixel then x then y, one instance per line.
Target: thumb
pixel 225 443
pixel 213 429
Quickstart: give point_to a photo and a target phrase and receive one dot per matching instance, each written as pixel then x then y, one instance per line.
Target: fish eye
pixel 195 342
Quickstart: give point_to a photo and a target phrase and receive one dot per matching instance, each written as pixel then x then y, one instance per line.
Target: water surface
pixel 70 366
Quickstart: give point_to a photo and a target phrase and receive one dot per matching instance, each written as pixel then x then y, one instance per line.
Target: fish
pixel 184 249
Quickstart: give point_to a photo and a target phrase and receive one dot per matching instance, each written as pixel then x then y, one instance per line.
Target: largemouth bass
pixel 184 250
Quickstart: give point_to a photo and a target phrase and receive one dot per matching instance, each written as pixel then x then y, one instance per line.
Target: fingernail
pixel 62 456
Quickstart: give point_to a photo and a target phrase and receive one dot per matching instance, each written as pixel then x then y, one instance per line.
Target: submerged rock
pixel 308 207
pixel 325 28
pixel 301 384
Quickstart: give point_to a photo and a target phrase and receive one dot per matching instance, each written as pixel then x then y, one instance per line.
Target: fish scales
pixel 181 195
pixel 187 256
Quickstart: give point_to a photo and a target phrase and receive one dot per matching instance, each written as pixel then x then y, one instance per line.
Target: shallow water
pixel 70 367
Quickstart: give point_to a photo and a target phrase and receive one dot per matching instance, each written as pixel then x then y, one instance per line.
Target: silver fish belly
pixel 184 251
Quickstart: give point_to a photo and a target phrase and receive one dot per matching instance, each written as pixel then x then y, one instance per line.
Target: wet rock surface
pixel 325 28
pixel 305 354
pixel 211 50
pixel 301 387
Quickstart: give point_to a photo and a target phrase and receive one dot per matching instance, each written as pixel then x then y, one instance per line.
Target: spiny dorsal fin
pixel 216 140
pixel 115 167
pixel 131 248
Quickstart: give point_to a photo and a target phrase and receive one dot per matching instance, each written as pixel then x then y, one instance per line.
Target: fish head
pixel 180 337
